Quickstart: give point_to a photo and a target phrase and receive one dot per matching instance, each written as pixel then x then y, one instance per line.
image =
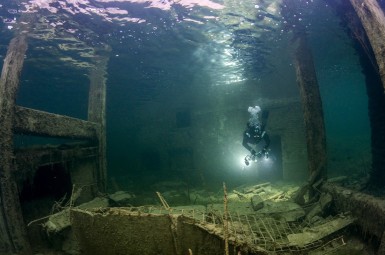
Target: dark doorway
pixel 50 181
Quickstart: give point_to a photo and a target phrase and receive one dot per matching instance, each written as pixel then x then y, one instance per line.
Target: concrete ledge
pixel 40 123
pixel 369 211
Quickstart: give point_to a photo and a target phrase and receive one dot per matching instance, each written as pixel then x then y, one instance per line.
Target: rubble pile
pixel 262 219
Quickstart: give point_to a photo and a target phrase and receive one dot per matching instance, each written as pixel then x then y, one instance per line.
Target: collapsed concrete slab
pixel 284 209
pixel 193 231
pixel 313 234
pixel 280 227
pixel 126 232
pixel 369 211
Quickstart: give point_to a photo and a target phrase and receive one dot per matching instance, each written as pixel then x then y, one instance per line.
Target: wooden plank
pixel 34 122
pixel 14 236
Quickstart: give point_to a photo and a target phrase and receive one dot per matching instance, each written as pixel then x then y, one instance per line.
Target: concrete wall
pixel 207 145
pixel 287 121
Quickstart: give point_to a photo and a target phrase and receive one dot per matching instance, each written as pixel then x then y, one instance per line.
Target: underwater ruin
pixel 121 127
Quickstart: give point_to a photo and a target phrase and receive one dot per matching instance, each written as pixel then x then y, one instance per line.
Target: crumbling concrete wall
pixel 369 210
pixel 287 121
pixel 210 147
pixel 82 176
pixel 118 232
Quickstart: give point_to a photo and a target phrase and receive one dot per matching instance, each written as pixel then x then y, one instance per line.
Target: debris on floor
pixel 318 232
pixel 262 219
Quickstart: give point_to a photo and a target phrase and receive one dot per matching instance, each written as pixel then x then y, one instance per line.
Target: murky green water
pixel 181 75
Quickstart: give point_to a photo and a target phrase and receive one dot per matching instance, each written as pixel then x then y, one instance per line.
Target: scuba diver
pixel 254 133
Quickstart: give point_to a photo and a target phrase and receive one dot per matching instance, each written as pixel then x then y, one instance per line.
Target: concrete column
pixel 312 109
pixel 97 113
pixel 12 229
pixel 373 20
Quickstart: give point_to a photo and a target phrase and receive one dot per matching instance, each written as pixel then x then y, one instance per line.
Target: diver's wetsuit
pixel 253 135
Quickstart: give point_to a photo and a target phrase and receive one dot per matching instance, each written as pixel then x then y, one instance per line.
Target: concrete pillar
pixel 97 113
pixel 373 20
pixel 12 229
pixel 312 109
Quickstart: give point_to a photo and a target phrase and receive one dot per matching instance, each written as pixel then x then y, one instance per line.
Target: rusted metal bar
pixel 13 234
pixel 34 122
pixel 97 113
